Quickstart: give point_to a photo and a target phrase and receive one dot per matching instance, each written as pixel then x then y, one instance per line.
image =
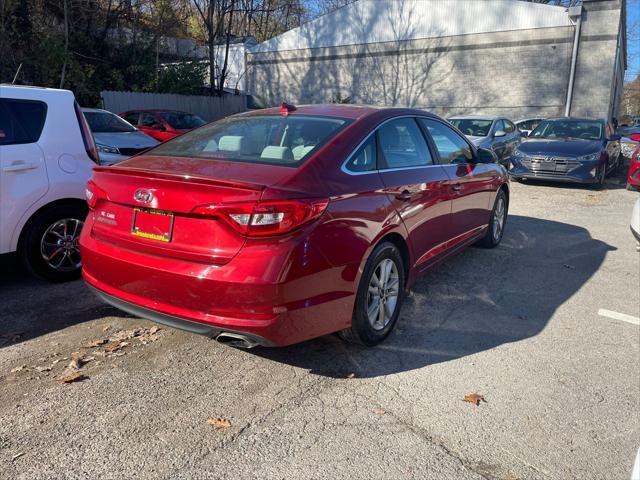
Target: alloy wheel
pixel 382 295
pixel 498 219
pixel 59 245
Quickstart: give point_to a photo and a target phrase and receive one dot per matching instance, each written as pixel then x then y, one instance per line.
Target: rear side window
pixel 508 126
pixel 364 160
pixel 403 145
pixel 268 139
pixel 451 146
pixel 21 121
pixel 149 120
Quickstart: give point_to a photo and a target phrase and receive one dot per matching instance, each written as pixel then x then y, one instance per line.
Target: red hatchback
pixel 163 125
pixel 281 225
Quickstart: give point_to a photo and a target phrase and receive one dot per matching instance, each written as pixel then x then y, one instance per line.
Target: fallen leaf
pixel 114 346
pixel 154 329
pixel 43 369
pixel 379 411
pixel 106 328
pixel 18 369
pixel 16 456
pixel 219 423
pixel 350 375
pixel 474 398
pixel 76 377
pixel 76 361
pixel 94 343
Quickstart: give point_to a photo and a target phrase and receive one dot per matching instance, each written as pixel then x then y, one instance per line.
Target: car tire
pixel 602 175
pixel 497 222
pixel 376 313
pixel 54 233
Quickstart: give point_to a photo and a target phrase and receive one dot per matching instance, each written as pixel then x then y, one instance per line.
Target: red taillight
pixel 93 193
pixel 265 218
pixel 87 136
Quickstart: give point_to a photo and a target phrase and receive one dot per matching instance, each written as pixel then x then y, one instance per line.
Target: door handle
pixel 19 165
pixel 405 196
pixel 457 187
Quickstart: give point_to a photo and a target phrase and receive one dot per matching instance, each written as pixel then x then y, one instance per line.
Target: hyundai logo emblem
pixel 143 195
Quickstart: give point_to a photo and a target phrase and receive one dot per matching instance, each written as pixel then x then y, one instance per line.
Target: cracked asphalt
pixel 518 324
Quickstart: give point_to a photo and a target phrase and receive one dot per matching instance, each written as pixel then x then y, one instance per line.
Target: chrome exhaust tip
pixel 236 340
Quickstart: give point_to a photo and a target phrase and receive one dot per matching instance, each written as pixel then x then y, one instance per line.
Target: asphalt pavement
pixel 528 326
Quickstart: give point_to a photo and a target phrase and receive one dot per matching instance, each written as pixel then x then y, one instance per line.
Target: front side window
pixel 508 126
pixel 182 121
pixel 21 121
pixel 473 127
pixel 106 122
pixel 403 145
pixel 451 146
pixel 499 126
pixel 584 129
pixel 266 139
pixel 149 120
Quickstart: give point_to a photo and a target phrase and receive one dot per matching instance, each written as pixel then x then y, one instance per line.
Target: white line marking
pixel 619 316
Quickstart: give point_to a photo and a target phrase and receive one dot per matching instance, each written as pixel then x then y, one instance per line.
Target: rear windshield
pixel 182 121
pixel 106 122
pixel 266 139
pixel 588 130
pixel 472 127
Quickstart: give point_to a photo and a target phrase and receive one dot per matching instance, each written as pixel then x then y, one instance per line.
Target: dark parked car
pixel 162 125
pixel 497 134
pixel 568 150
pixel 276 226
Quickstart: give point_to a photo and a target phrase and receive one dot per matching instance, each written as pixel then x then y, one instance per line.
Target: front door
pixel 23 175
pixel 471 184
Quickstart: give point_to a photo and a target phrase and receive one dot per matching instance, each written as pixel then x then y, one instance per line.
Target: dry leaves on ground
pixel 219 423
pixel 76 377
pixel 379 411
pixel 474 398
pixel 94 343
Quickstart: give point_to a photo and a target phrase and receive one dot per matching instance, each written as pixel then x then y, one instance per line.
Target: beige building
pixel 502 57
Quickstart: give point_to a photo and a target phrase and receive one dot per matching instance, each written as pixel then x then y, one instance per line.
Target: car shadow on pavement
pixel 477 301
pixel 31 307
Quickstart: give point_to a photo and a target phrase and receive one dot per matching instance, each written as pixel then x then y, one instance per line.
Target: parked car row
pixel 230 230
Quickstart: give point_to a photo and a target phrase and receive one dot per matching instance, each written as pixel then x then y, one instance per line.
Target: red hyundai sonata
pixel 281 225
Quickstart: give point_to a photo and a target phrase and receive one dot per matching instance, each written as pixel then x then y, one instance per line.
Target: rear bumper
pixel 280 296
pixel 171 321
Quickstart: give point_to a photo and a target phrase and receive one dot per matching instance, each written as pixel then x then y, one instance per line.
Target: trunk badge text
pixel 142 195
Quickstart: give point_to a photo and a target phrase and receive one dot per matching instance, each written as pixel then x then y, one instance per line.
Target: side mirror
pixel 500 133
pixel 485 155
pixel 614 138
pixel 635 137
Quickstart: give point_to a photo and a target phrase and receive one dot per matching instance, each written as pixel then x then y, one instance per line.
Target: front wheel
pixel 497 222
pixel 379 298
pixel 50 243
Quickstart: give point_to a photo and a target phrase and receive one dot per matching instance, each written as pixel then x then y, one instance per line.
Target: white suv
pixel 47 154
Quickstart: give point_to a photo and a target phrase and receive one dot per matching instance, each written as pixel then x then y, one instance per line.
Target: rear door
pixel 470 184
pixel 23 175
pixel 416 186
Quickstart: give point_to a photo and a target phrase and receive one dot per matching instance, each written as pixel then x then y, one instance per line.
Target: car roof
pixel 349 111
pixel 476 117
pixel 32 92
pixel 98 110
pixel 155 110
pixel 528 119
pixel 576 119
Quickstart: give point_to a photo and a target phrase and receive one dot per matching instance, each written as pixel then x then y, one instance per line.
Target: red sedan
pixel 162 125
pixel 281 225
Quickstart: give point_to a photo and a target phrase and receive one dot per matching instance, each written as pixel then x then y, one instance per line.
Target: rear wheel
pixel 50 242
pixel 494 234
pixel 379 298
